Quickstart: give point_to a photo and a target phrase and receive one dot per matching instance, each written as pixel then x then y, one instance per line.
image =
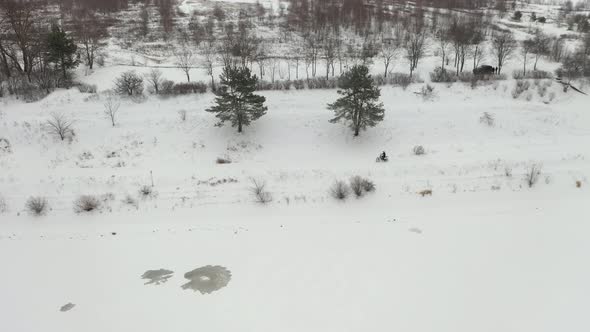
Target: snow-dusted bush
pixel 37 206
pixel 508 171
pixel 86 88
pixel 221 160
pixel 401 79
pixel 60 126
pixel 532 175
pixel 146 191
pixel 340 190
pixel 263 85
pixel 532 74
pixel 520 87
pixel 360 186
pixel 440 75
pixel 5 146
pixel 299 84
pixel 3 205
pixel 86 203
pixel 322 83
pixel 166 87
pixel 129 83
pixel 130 200
pixel 419 150
pixel 427 92
pixel 182 115
pixel 258 190
pixel 189 88
pixel 487 119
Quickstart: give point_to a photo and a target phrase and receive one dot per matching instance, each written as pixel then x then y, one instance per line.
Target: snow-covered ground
pixel 484 252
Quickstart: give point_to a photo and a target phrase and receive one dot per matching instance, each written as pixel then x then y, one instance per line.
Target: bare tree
pixel 209 60
pixel 89 32
pixel 540 46
pixel 391 45
pixel 444 42
pixel 185 61
pixel 20 20
pixel 60 126
pixel 527 46
pixel 415 44
pixel 154 78
pixel 111 107
pixel 129 83
pixel 329 52
pixel 503 47
pixel 312 50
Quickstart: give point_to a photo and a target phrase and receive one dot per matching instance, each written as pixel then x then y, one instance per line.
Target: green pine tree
pixel 359 105
pixel 61 49
pixel 236 101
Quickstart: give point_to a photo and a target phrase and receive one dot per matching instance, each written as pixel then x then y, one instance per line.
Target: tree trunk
pixel 188 78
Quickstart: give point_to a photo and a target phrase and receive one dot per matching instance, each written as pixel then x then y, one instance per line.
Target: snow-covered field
pixel 484 252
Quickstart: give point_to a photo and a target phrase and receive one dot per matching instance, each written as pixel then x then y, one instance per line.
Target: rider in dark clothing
pixel 383 156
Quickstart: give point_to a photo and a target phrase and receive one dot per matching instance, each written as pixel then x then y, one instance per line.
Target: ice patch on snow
pixel 207 279
pixel 157 276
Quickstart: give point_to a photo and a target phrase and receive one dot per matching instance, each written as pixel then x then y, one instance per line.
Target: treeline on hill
pixel 42 40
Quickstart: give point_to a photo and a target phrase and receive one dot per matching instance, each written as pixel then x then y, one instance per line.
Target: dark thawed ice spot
pixel 207 279
pixel 157 276
pixel 67 307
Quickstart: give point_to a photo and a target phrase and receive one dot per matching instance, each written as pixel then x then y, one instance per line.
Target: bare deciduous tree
pixel 185 61
pixel 89 33
pixel 111 107
pixel 540 46
pixel 391 45
pixel 527 46
pixel 60 126
pixel 209 60
pixel 503 47
pixel 415 44
pixel 154 79
pixel 129 83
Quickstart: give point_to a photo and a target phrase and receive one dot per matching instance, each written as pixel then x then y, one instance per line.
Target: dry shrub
pixel 258 189
pixel 182 115
pixel 340 190
pixel 86 203
pixel 37 206
pixel 520 87
pixel 487 118
pixel 3 205
pixel 360 186
pixel 419 150
pixel 147 191
pixel 426 192
pixel 578 185
pixel 532 175
pixel 5 146
pixel 222 161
